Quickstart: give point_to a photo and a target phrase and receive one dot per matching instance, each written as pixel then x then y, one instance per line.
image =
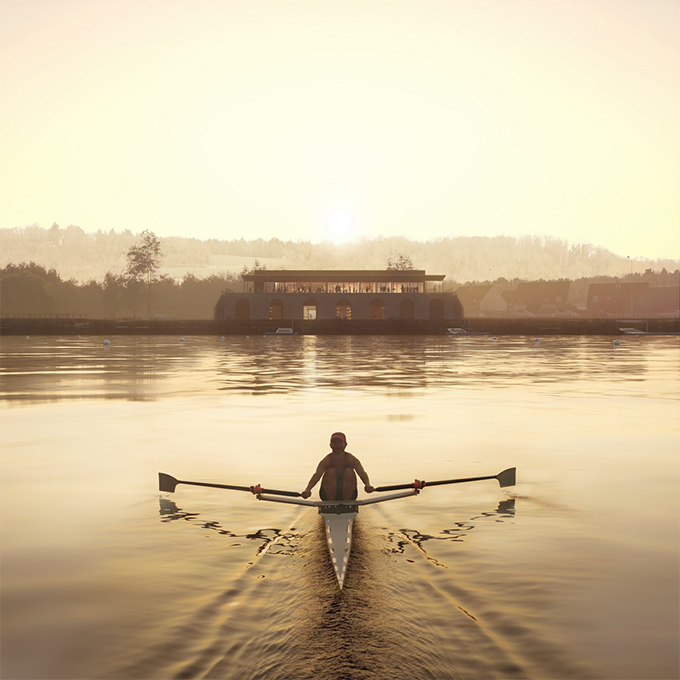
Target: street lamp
pixel 631 286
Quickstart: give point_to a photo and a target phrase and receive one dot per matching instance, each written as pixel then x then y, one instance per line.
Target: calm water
pixel 573 573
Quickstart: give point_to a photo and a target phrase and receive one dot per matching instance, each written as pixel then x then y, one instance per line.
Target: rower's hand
pixel 306 493
pixel 369 489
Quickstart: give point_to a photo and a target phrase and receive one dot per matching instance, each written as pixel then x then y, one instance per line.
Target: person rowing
pixel 338 473
pixel 339 470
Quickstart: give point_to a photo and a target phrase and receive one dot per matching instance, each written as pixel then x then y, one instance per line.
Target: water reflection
pixel 143 368
pixel 52 368
pixel 286 542
pixel 268 539
pixel 457 533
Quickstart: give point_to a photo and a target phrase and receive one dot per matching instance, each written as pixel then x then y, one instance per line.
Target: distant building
pixel 339 294
pixel 663 301
pixel 539 298
pixel 481 300
pixel 629 299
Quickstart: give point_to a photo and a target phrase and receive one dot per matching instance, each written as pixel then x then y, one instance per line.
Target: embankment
pixel 533 326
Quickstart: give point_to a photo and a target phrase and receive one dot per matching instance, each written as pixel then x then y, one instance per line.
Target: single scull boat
pixel 338 516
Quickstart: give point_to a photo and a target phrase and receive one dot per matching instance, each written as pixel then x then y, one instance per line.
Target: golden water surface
pixel 573 573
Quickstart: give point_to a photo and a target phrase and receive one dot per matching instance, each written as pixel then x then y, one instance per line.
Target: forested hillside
pixel 75 254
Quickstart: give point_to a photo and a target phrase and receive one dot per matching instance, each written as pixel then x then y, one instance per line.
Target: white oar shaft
pixel 291 501
pixel 326 504
pixel 391 497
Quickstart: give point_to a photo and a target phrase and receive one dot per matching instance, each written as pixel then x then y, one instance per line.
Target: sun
pixel 340 227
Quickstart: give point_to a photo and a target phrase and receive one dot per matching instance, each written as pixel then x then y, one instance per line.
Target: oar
pixel 505 478
pixel 168 483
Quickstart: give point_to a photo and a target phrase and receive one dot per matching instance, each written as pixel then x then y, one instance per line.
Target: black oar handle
pixel 396 487
pixel 459 481
pixel 253 489
pixel 420 485
pixel 259 489
pixel 216 486
pixel 168 483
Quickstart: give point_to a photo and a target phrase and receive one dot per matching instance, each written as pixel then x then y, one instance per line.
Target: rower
pixel 338 473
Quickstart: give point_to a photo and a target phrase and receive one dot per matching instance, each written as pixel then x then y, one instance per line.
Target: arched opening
pixel 377 309
pixel 407 309
pixel 276 309
pixel 343 310
pixel 242 309
pixel 309 309
pixel 436 310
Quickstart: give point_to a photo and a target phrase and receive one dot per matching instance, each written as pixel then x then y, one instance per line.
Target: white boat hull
pixel 339 539
pixel 338 517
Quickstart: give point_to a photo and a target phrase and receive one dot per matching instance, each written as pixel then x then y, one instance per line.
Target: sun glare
pixel 340 227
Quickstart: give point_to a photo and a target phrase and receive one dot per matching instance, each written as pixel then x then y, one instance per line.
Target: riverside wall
pixel 141 326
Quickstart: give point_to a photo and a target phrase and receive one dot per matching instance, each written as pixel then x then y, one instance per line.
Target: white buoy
pixel 537 340
pixel 28 337
pixel 222 338
pixel 247 337
pixel 107 343
pixel 79 337
pixel 495 338
pixel 181 339
pixel 617 342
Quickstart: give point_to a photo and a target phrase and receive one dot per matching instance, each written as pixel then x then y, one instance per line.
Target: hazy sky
pixel 342 119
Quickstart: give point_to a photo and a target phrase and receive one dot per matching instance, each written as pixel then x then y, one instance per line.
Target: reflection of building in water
pixel 336 294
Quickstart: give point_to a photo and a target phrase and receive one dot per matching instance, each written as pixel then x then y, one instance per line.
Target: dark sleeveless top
pixel 339 482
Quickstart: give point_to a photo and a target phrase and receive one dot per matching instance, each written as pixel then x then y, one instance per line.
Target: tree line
pixel 28 289
pixel 83 256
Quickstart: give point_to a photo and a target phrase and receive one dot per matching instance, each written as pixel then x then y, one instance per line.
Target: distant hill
pixel 82 256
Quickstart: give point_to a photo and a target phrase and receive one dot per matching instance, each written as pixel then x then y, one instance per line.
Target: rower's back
pixel 339 481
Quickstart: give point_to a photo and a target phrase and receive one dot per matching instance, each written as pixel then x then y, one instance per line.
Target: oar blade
pixel 507 477
pixel 167 482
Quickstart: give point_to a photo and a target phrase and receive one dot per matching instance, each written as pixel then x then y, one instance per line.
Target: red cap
pixel 339 435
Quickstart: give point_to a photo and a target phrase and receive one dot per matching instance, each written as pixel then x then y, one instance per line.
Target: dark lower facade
pixel 349 306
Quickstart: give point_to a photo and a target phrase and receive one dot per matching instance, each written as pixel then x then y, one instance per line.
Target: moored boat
pixel 282 331
pixel 463 332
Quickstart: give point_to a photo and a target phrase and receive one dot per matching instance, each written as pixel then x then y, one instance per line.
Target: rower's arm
pixel 359 469
pixel 321 468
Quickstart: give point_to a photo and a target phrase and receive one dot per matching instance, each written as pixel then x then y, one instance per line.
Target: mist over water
pixel 573 573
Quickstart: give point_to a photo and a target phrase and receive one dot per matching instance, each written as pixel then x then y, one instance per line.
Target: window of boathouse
pixel 309 309
pixel 275 309
pixel 343 309
pixel 345 287
pixel 377 309
pixel 372 282
pixel 407 309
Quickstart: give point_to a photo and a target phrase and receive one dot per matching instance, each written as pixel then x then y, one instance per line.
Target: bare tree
pixel 402 263
pixel 257 267
pixel 143 260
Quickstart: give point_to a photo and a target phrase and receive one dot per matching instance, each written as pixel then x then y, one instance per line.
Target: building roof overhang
pixel 333 275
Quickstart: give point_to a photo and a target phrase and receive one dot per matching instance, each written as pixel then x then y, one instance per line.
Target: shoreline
pixel 499 326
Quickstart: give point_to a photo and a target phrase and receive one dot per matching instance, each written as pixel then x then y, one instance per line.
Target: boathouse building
pixel 340 294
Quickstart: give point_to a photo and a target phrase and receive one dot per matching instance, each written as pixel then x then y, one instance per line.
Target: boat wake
pixel 404 611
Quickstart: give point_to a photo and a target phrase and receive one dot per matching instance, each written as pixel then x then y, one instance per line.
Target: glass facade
pixel 346 287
